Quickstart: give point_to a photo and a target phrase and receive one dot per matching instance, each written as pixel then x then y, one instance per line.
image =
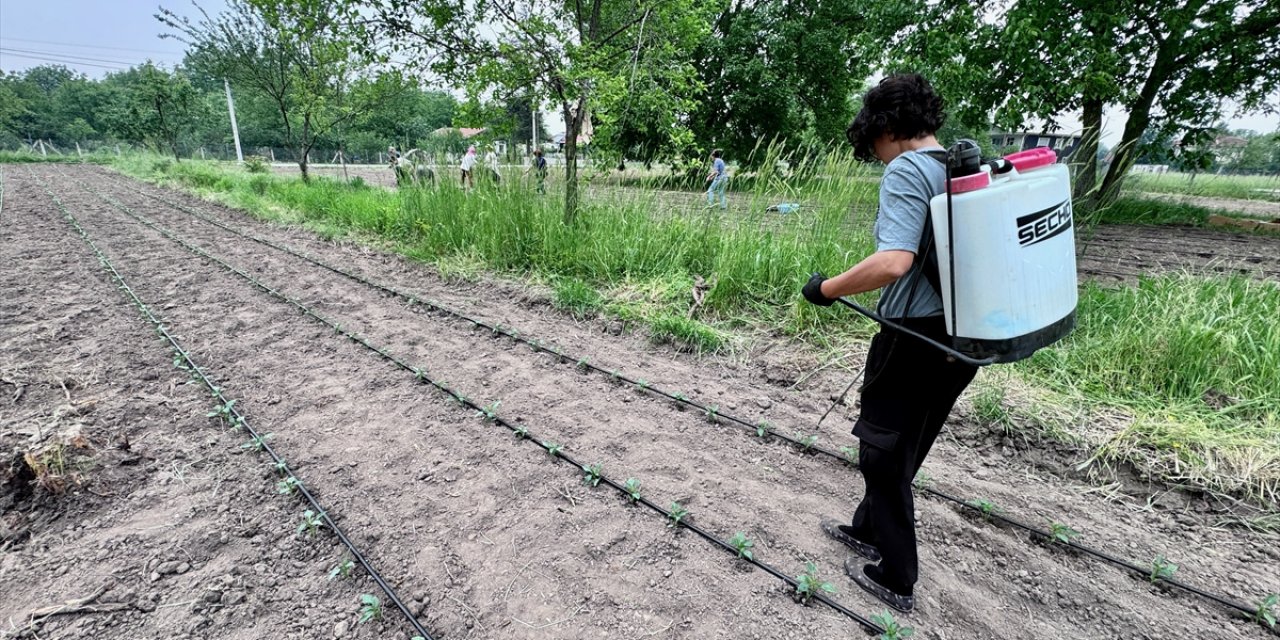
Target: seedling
pixel 462 400
pixel 222 411
pixel 582 364
pixel 1061 533
pixel 342 570
pixel 288 486
pixel 985 506
pixel 237 423
pixel 553 449
pixel 923 480
pixel 592 477
pixel 370 608
pixel 613 376
pixel 1162 569
pixel 677 513
pixel 522 432
pixel 808 585
pixel 851 455
pixel 743 545
pixel 763 429
pixel 311 522
pixel 893 630
pixel 680 397
pixel 633 489
pixel 258 443
pixel 713 412
pixel 281 466
pixel 490 413
pixel 642 384
pixel 805 442
pixel 420 375
pixel 1264 615
pixel 535 346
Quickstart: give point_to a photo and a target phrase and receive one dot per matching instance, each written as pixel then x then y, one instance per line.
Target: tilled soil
pixel 482 534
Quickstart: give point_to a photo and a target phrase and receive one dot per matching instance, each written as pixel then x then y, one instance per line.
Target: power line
pixel 71 56
pixel 89 46
pixel 113 67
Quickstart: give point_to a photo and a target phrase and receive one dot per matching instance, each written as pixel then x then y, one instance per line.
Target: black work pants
pixel 910 389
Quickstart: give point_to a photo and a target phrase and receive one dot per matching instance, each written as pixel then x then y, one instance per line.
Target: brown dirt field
pixel 487 535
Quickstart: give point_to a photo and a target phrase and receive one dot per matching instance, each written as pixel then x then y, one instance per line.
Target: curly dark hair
pixel 904 105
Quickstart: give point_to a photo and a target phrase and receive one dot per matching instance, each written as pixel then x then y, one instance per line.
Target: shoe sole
pixel 830 527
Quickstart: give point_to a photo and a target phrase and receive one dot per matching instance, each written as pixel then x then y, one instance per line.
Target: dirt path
pixel 1266 209
pixel 501 542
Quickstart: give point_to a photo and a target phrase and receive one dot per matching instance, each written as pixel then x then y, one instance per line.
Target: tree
pixel 780 69
pixel 296 60
pixel 159 108
pixel 1169 64
pixel 560 51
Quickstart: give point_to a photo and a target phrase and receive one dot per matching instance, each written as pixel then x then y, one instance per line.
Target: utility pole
pixel 235 130
pixel 534 117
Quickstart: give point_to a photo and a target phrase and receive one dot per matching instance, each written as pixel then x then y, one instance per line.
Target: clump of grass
pixel 1216 186
pixel 685 332
pixel 577 298
pixel 1138 210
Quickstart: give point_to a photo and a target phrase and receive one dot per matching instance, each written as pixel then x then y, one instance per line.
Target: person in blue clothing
pixel 910 386
pixel 719 179
pixel 539 169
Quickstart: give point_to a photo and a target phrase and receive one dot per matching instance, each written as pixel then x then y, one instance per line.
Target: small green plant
pixel 420 375
pixel 490 413
pixel 281 466
pixel 222 411
pixel 713 412
pixel 1061 533
pixel 642 384
pixel 809 585
pixel 806 442
pixel 614 377
pixel 582 364
pixel 553 449
pixel 256 164
pixel 677 512
pixel 743 544
pixel 1162 569
pixel 257 443
pixel 342 569
pixel 680 397
pixel 923 480
pixel 1265 615
pixel 521 432
pixel 288 486
pixel 984 506
pixel 893 630
pixel 311 522
pixel 763 429
pixel 592 474
pixel 850 455
pixel 370 608
pixel 633 489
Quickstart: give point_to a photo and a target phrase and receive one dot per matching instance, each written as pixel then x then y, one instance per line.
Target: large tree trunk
pixel 573 124
pixel 1087 157
pixel 1126 153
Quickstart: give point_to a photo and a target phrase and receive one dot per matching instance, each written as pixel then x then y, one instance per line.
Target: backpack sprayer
pixel 999 248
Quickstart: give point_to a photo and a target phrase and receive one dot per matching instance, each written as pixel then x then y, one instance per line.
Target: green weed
pixel 576 297
pixel 684 332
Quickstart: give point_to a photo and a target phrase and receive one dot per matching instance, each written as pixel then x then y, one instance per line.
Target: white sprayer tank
pixel 1014 256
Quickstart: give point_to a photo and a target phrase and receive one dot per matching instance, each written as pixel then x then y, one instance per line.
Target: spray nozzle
pixel 964 158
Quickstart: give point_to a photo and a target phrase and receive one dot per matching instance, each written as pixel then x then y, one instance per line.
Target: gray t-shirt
pixel 909 182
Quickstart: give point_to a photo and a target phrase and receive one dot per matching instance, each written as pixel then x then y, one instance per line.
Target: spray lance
pixel 997 247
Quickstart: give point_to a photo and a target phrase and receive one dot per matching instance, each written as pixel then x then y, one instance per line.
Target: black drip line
pixel 490 416
pixel 713 413
pixel 238 418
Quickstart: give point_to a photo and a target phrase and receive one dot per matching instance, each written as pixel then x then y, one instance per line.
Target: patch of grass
pixel 684 332
pixel 1139 210
pixel 576 297
pixel 27 157
pixel 1214 186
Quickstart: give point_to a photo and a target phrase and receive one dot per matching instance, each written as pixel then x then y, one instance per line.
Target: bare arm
pixel 873 272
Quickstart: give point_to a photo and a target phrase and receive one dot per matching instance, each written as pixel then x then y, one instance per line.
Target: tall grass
pixel 1210 185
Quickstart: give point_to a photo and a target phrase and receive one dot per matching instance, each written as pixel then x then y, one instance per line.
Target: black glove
pixel 813 291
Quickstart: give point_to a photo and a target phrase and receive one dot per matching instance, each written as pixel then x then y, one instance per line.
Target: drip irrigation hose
pixel 236 417
pixel 711 411
pixel 489 415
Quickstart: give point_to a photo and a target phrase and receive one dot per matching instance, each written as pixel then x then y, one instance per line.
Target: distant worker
pixel 468 167
pixel 539 169
pixel 719 179
pixel 910 386
pixel 392 156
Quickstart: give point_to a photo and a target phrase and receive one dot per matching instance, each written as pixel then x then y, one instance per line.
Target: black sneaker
pixel 905 604
pixel 832 528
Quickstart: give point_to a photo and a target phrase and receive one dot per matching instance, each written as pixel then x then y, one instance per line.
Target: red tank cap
pixel 965 184
pixel 1025 161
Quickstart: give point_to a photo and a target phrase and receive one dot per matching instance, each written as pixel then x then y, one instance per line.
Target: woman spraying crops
pixel 910 386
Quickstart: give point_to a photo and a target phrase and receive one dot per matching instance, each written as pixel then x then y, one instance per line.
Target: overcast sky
pixel 100 36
